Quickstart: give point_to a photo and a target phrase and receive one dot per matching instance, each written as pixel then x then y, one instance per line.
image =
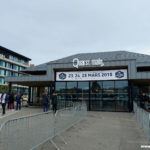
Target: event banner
pixel 92 75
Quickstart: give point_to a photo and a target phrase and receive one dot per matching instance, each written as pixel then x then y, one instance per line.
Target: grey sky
pixel 46 30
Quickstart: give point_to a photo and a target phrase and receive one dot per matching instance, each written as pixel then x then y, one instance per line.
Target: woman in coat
pixel 11 101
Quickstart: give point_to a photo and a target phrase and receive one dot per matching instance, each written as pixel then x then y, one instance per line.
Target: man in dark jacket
pixel 18 101
pixel 45 102
pixel 54 102
pixel 143 99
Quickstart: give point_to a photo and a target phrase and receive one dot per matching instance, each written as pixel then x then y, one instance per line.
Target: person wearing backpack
pixel 18 101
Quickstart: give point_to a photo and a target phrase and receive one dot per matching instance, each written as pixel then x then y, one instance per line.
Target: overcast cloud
pixel 46 30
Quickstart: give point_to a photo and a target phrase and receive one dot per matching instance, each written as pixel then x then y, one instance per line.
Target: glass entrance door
pixel 109 101
pixel 99 95
pixel 83 92
pixel 121 92
pixel 96 102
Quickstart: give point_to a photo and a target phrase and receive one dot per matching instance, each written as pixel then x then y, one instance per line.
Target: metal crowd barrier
pixel 143 119
pixel 29 132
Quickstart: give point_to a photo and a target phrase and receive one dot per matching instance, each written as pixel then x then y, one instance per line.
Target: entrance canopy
pixel 29 80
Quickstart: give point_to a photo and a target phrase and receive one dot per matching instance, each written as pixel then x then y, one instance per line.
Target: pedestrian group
pixel 9 99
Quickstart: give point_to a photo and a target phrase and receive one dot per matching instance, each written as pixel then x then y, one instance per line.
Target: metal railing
pixel 29 132
pixel 143 119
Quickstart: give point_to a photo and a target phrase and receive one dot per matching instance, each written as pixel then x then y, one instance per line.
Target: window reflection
pixel 60 88
pixel 99 95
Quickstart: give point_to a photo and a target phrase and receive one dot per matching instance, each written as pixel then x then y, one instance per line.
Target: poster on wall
pixel 120 74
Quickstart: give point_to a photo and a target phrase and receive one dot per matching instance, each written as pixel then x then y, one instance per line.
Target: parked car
pixel 25 97
pixel 25 100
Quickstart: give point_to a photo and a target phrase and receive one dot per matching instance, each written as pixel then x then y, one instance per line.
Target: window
pixel 21 68
pixel 1 80
pixel 143 69
pixel 71 91
pixel 11 57
pixel 15 74
pixel 2 63
pixel 96 90
pixel 16 59
pixel 8 73
pixel 108 90
pixel 8 65
pixel 83 91
pixel 2 72
pixel 22 61
pixel 20 75
pixel 15 67
pixel 61 90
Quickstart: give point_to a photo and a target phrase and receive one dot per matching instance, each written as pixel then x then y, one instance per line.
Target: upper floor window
pixel 15 74
pixel 20 74
pixel 1 80
pixel 16 59
pixel 21 68
pixel 8 65
pixel 2 63
pixel 22 61
pixel 8 73
pixel 15 67
pixel 2 72
pixel 11 57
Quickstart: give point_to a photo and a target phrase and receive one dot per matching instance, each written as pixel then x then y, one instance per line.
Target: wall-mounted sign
pixel 94 62
pixel 92 75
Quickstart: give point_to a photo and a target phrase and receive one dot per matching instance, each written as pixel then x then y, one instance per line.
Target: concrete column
pixel 29 94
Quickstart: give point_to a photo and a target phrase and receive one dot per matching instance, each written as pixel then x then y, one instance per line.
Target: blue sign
pixel 62 76
pixel 119 74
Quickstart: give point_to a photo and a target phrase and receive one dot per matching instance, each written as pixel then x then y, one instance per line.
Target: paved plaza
pixel 100 131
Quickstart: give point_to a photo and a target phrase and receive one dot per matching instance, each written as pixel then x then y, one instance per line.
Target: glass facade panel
pixel 11 57
pixel 71 92
pixel 96 95
pixel 8 65
pixel 2 72
pixel 2 63
pixel 1 80
pixel 21 68
pixel 8 73
pixel 15 67
pixel 108 95
pixel 99 95
pixel 121 95
pixel 83 92
pixel 20 75
pixel 16 59
pixel 15 74
pixel 60 88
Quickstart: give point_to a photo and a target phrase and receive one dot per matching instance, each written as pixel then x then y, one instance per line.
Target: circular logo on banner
pixel 62 76
pixel 119 74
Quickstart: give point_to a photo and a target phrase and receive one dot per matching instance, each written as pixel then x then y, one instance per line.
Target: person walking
pixel 45 102
pixel 11 101
pixel 18 101
pixel 54 102
pixel 143 99
pixel 3 102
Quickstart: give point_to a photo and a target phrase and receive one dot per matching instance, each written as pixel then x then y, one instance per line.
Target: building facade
pixel 107 81
pixel 11 64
